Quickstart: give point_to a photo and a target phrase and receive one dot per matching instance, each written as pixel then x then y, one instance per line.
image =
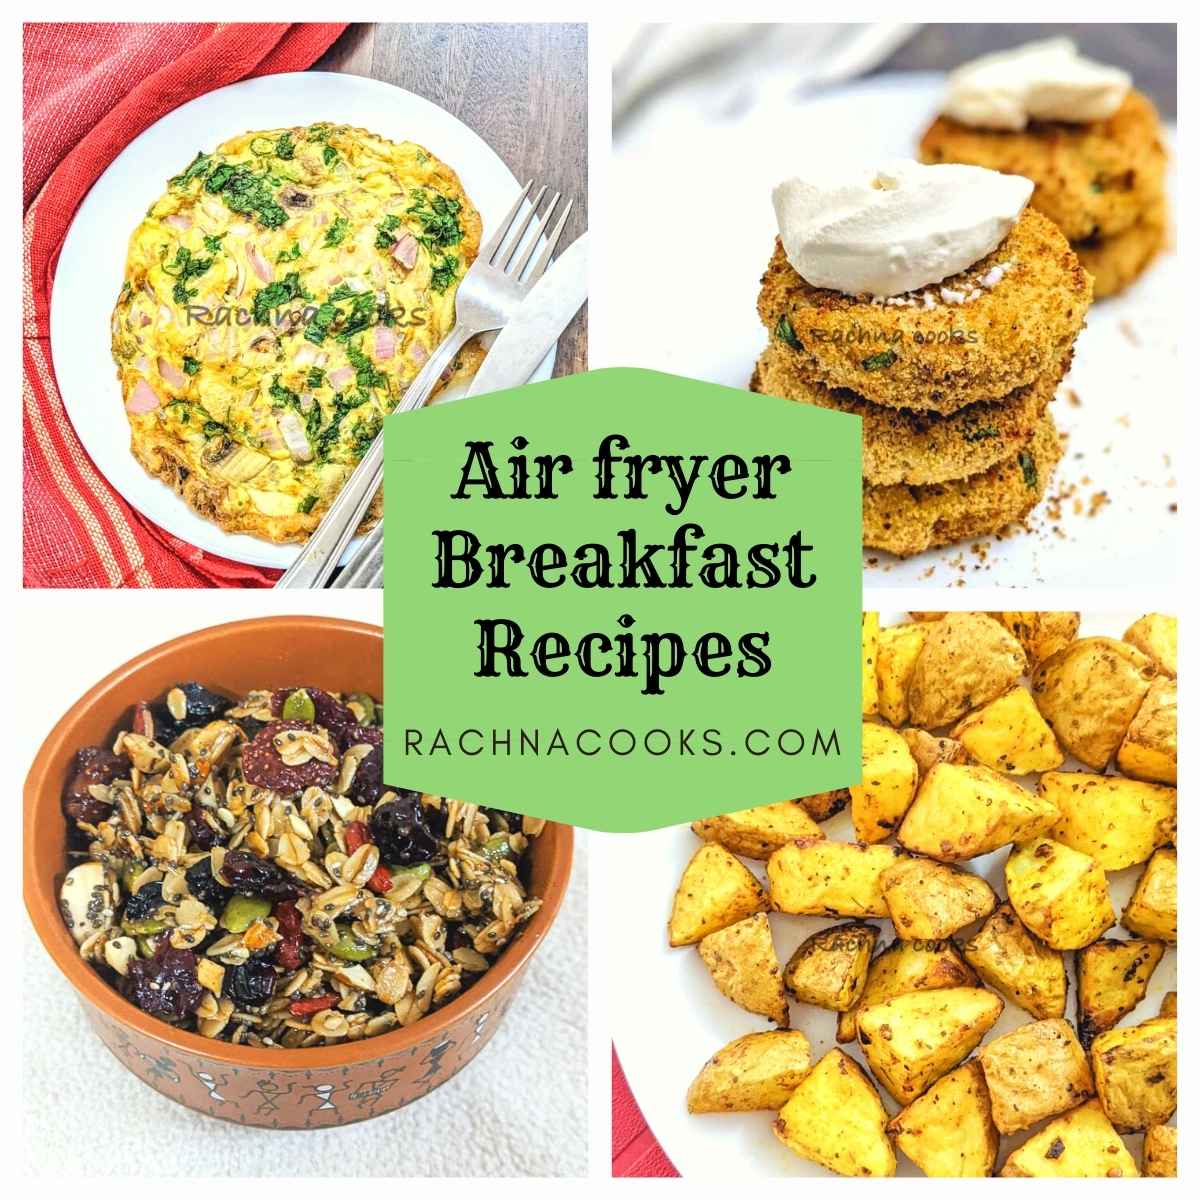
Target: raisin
pixel 250 726
pixel 510 820
pixel 400 831
pixel 164 986
pixel 330 713
pixel 250 875
pixel 368 776
pixel 92 766
pixel 212 894
pixel 262 765
pixel 203 706
pixel 250 984
pixel 145 902
pixel 204 836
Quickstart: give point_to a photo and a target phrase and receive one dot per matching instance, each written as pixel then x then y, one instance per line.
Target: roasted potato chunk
pixel 823 805
pixel 829 969
pixel 929 900
pixel 1135 1073
pixel 907 967
pixel 1157 637
pixel 1170 1005
pixel 716 890
pixel 1058 893
pixel 741 960
pixel 1090 691
pixel 870 653
pixel 1022 969
pixel 1119 822
pixel 1041 634
pixel 899 646
pixel 1153 909
pixel 1037 1071
pixel 928 751
pixel 1159 1150
pixel 819 878
pixel 757 1071
pixel 964 811
pixel 1113 976
pixel 948 1132
pixel 758 832
pixel 1010 735
pixel 1081 1144
pixel 1151 747
pixel 889 783
pixel 911 1040
pixel 967 660
pixel 835 1118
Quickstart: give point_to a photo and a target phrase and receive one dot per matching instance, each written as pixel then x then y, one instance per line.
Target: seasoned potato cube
pixel 1041 634
pixel 1135 1073
pixel 1151 746
pixel 911 1040
pixel 898 649
pixel 928 751
pixel 929 900
pixel 1153 909
pixel 1058 893
pixel 1159 1151
pixel 1157 637
pixel 1113 977
pixel 878 804
pixel 1081 1144
pixel 1022 969
pixel 716 890
pixel 1010 735
pixel 835 1118
pixel 948 1132
pixel 819 878
pixel 758 832
pixel 870 653
pixel 907 967
pixel 757 1071
pixel 1090 691
pixel 1170 1005
pixel 1037 1071
pixel 823 805
pixel 964 811
pixel 829 969
pixel 1119 822
pixel 741 960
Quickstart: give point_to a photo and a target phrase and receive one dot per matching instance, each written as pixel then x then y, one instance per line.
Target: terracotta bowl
pixel 276 1088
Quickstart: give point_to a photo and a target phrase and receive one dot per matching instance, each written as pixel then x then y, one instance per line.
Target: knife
pixel 541 317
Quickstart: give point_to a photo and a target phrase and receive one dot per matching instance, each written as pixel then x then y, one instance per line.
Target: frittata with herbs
pixel 278 299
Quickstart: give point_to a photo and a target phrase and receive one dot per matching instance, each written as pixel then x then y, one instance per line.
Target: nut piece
pixel 88 900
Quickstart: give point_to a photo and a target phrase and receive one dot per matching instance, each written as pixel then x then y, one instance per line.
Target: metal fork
pixel 490 292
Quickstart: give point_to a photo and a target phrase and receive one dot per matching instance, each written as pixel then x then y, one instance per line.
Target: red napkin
pixel 90 89
pixel 636 1153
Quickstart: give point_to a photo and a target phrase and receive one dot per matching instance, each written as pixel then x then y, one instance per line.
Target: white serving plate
pixel 709 179
pixel 668 1018
pixel 92 263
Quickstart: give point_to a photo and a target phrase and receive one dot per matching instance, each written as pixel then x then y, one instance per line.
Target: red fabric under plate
pixel 636 1153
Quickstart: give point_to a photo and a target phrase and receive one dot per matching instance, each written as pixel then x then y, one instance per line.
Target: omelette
pixel 278 299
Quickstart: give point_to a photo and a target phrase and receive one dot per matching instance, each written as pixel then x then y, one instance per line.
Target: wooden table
pixel 522 88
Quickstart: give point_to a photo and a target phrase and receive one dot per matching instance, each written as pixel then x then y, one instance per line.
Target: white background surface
pixel 709 174
pixel 518 1109
pixel 667 1027
pixel 92 264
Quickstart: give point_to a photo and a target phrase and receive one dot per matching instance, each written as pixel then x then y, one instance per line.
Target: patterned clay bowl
pixel 275 1088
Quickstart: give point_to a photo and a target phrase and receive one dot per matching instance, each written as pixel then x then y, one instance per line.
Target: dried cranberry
pixel 204 836
pixel 263 766
pixel 144 903
pixel 368 776
pixel 288 916
pixel 213 895
pixel 250 984
pixel 400 831
pixel 330 713
pixel 203 706
pixel 254 876
pixel 164 986
pixel 291 953
pixel 92 766
pixel 305 1008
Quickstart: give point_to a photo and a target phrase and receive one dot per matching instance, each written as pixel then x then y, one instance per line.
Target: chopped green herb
pixel 330 155
pixel 383 238
pixel 316 377
pixel 276 295
pixel 282 397
pixel 247 193
pixel 197 167
pixel 444 274
pixel 329 435
pixel 786 334
pixel 439 219
pixel 318 326
pixel 979 433
pixel 184 267
pixel 285 148
pixel 306 505
pixel 212 242
pixel 190 365
pixel 422 157
pixel 880 361
pixel 1029 470
pixel 367 377
pixel 290 254
pixel 336 233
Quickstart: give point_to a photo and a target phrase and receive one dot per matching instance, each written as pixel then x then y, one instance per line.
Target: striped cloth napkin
pixel 89 89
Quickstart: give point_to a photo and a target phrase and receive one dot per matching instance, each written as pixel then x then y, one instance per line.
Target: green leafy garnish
pixel 276 295
pixel 878 362
pixel 306 505
pixel 330 155
pixel 1028 469
pixel 383 238
pixel 979 433
pixel 190 365
pixel 367 377
pixel 212 242
pixel 290 254
pixel 285 148
pixel 786 334
pixel 438 216
pixel 197 167
pixel 316 377
pixel 184 267
pixel 342 404
pixel 282 397
pixel 336 233
pixel 444 274
pixel 247 193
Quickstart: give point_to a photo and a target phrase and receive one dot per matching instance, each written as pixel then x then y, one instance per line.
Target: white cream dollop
pixel 1040 81
pixel 897 228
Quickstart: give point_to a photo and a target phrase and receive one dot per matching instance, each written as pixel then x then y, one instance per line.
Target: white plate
pixel 92 263
pixel 714 179
pixel 668 1018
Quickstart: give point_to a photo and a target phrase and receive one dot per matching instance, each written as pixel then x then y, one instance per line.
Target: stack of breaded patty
pixel 953 382
pixel 1101 183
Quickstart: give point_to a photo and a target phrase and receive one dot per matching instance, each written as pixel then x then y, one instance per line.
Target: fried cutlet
pixel 996 327
pixel 906 520
pixel 1091 180
pixel 900 446
pixel 1115 262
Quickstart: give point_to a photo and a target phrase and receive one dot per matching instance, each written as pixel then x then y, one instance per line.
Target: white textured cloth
pixel 519 1109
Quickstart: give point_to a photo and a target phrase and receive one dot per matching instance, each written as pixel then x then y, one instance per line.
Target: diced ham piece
pixel 385 343
pixel 141 364
pixel 305 356
pixel 341 376
pixel 307 400
pixel 321 218
pixel 261 269
pixel 178 221
pixel 143 399
pixel 172 374
pixel 405 251
pixel 419 353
